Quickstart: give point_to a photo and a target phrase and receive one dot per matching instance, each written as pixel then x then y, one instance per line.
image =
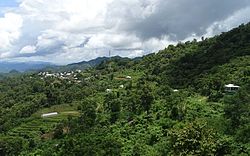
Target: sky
pixel 8 3
pixel 67 31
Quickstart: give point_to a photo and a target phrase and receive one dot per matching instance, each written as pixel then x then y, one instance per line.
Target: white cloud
pixel 239 17
pixel 10 26
pixel 28 49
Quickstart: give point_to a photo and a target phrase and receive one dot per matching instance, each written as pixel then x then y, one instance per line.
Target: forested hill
pixel 84 64
pixel 204 65
pixel 169 103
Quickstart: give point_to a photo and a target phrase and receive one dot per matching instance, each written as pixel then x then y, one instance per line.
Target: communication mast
pixel 109 54
pixel 110 67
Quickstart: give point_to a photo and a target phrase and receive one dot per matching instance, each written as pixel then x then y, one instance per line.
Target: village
pixel 72 76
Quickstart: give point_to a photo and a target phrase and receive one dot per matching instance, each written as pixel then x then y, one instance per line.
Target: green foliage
pixel 174 103
pixel 196 139
pixel 12 145
pixel 58 131
pixel 237 108
pixel 146 97
pixel 88 113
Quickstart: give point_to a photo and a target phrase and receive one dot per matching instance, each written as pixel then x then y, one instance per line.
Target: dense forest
pixel 169 103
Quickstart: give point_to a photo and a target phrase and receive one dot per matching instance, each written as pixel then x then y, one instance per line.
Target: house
pixel 121 86
pixel 78 71
pixel 49 114
pixel 108 90
pixel 231 88
pixel 49 75
pixel 175 90
pixel 128 77
pixel 68 74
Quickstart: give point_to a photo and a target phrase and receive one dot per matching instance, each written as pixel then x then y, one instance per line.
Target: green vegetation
pixel 169 103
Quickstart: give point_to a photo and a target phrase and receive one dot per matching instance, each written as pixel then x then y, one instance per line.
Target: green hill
pixel 169 103
pixel 205 66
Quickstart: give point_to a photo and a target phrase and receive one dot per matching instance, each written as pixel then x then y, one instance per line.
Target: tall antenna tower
pixel 109 53
pixel 110 68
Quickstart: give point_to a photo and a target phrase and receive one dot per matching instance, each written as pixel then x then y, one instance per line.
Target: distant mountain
pixel 6 67
pixel 80 65
pixel 93 62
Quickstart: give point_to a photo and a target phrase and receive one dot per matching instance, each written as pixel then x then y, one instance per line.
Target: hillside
pixel 169 103
pixel 205 66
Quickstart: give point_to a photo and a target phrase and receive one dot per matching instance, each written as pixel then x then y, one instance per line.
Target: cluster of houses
pixel 72 75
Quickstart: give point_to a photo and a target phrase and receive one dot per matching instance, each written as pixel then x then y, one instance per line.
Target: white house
pixel 49 114
pixel 108 90
pixel 128 77
pixel 231 88
pixel 49 75
pixel 175 90
pixel 78 71
pixel 121 86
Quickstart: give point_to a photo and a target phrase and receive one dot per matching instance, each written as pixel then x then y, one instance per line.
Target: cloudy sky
pixel 66 31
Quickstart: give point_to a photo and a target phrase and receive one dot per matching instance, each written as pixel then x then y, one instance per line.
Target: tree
pixel 237 108
pixel 197 139
pixel 131 103
pixel 58 132
pixel 146 97
pixel 12 145
pixel 88 113
pixel 112 105
pixel 115 108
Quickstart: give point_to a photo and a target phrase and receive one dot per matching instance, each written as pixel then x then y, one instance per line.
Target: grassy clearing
pixel 57 108
pixel 37 125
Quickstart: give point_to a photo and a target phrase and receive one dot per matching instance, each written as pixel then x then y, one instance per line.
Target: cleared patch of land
pixel 37 126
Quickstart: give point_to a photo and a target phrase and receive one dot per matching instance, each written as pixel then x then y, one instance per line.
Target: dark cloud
pixel 83 44
pixel 178 18
pixel 43 51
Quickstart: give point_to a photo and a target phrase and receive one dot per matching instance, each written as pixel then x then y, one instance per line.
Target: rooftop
pixel 232 85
